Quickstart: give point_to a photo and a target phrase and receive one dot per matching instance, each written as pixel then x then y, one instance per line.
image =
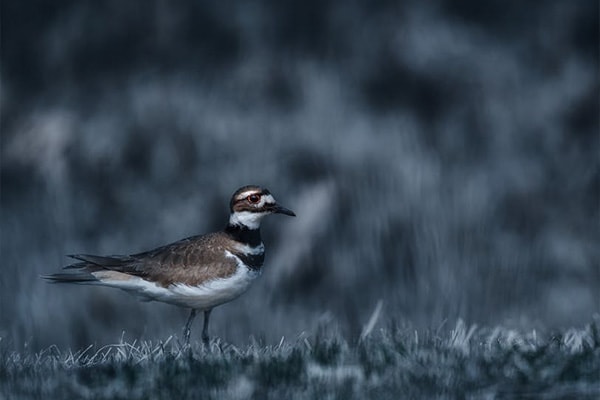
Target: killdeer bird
pixel 199 272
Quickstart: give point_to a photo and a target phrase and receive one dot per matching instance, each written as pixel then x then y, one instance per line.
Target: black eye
pixel 253 198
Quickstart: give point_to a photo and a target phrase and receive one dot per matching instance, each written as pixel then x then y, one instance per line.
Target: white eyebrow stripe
pixel 264 198
pixel 247 193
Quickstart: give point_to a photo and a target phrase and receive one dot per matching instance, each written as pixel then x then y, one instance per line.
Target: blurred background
pixel 442 158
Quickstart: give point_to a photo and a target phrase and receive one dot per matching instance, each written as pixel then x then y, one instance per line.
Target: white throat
pixel 248 219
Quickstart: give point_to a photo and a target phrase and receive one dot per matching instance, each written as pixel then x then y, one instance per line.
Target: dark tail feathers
pixel 87 264
pixel 78 277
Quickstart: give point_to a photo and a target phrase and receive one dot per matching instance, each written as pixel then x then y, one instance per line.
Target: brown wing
pixel 191 261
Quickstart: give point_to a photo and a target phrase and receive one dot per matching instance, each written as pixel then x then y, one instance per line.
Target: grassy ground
pixel 459 362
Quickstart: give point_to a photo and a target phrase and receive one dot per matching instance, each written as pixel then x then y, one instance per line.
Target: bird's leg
pixel 188 326
pixel 205 329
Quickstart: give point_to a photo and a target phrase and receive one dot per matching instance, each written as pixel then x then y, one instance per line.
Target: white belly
pixel 212 293
pixel 201 297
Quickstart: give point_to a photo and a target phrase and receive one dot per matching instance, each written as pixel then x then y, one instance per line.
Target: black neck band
pixel 243 234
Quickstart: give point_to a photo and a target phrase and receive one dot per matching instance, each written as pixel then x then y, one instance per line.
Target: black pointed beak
pixel 282 210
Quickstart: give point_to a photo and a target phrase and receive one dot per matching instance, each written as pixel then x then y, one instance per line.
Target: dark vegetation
pixel 459 362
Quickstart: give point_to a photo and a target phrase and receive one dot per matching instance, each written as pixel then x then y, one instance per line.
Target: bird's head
pixel 250 204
